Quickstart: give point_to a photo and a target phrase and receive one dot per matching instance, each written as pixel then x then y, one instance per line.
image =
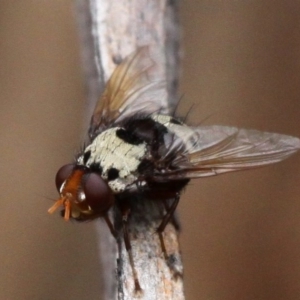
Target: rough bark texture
pixel 110 30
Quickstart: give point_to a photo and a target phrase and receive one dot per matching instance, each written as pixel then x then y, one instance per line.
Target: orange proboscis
pixel 67 210
pixel 66 203
pixel 70 190
pixel 56 205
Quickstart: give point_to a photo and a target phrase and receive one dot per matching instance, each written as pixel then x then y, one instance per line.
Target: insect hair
pixel 184 118
pixel 80 149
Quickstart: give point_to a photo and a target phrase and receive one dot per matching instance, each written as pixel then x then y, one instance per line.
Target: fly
pixel 137 149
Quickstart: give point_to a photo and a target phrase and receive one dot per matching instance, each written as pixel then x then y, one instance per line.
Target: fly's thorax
pixel 115 157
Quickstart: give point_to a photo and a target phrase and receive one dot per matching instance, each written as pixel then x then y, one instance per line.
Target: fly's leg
pixel 174 218
pixel 169 214
pixel 165 221
pixel 110 225
pixel 125 214
pixel 172 259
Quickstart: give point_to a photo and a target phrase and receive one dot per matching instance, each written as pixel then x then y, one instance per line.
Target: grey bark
pixel 109 31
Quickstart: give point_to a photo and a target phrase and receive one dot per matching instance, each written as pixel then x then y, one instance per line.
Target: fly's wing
pixel 212 150
pixel 131 89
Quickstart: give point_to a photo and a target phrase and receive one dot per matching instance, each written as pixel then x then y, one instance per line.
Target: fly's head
pixel 84 194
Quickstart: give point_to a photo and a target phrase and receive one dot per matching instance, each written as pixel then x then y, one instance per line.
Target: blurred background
pixel 241 231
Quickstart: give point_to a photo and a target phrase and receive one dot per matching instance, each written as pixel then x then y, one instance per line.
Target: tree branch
pixel 110 30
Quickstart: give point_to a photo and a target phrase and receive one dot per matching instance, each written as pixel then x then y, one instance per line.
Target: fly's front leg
pixel 110 225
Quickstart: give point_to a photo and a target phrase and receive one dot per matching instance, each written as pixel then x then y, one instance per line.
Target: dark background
pixel 241 231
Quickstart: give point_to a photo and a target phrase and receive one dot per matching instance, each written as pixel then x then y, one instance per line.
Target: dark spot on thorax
pixel 146 129
pixel 112 174
pixel 128 137
pixel 86 156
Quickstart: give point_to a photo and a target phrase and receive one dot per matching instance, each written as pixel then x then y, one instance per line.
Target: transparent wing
pixel 212 150
pixel 130 90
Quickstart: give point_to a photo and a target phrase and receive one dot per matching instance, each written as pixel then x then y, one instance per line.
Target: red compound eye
pixel 63 173
pixel 98 195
